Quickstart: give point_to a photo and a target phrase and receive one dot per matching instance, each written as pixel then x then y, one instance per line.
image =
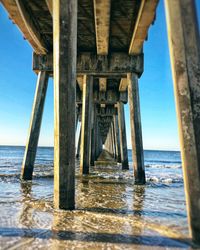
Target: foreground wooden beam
pixel 34 129
pixel 184 43
pixel 65 40
pixel 86 124
pixel 145 18
pixel 122 133
pixel 30 25
pixel 136 129
pixel 102 25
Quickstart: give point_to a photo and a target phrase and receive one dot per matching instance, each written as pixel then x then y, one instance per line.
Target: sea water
pixel 111 212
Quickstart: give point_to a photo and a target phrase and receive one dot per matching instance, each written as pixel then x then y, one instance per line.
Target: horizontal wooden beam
pixel 102 25
pixel 106 111
pixel 110 97
pixel 145 18
pixel 115 64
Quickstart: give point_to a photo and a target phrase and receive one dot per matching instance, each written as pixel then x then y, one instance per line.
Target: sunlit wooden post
pixel 65 53
pixel 86 124
pixel 122 133
pixel 184 43
pixel 35 124
pixel 136 129
pixel 79 144
pixel 116 130
pixel 93 136
pixel 113 140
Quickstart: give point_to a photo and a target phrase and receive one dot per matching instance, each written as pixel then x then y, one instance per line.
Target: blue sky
pixel 18 81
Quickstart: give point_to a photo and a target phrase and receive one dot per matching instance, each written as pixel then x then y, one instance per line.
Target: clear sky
pixel 18 81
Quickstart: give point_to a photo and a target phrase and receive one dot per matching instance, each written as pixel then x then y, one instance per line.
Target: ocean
pixel 111 212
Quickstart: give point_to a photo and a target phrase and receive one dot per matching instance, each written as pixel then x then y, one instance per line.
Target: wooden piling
pixel 96 139
pixel 116 130
pixel 98 142
pixel 86 124
pixel 113 139
pixel 35 124
pixel 136 129
pixel 109 143
pixel 65 54
pixel 184 43
pixel 77 118
pixel 122 133
pixel 93 136
pixel 79 144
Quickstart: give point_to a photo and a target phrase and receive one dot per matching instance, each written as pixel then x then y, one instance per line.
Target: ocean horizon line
pixel 44 146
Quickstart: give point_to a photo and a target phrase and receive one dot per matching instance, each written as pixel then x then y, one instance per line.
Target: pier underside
pixel 94 52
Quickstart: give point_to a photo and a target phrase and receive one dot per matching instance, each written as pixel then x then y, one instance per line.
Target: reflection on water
pixel 111 213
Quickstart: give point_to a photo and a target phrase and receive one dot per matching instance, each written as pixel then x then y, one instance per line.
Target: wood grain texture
pixel 86 124
pixel 184 43
pixel 136 129
pixel 116 131
pixel 122 133
pixel 102 25
pixel 65 50
pixel 34 128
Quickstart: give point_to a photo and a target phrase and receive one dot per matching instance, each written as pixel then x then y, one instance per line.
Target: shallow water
pixel 111 213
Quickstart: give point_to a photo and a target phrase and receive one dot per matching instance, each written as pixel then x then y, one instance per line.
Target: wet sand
pixel 111 213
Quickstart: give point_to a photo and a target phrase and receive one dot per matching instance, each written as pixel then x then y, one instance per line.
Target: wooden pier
pixel 93 49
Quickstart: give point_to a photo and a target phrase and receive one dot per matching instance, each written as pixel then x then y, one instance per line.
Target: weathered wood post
pixel 113 140
pixel 93 136
pixel 65 53
pixel 122 133
pixel 116 128
pixel 34 128
pixel 111 144
pixel 136 129
pixel 106 143
pixel 98 142
pixel 77 118
pixel 184 43
pixel 79 144
pixel 86 124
